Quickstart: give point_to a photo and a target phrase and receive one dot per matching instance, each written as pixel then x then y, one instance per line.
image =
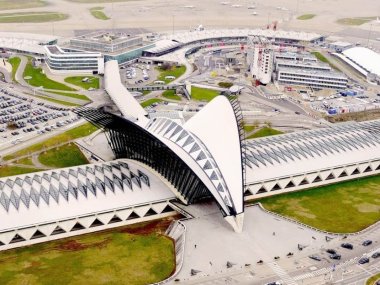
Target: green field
pixel 133 255
pixel 322 58
pixel 15 170
pixel 306 17
pixel 203 94
pixel 225 84
pixel 265 132
pixel 40 79
pixel 93 81
pixel 150 102
pixel 249 128
pixel 25 161
pixel 357 21
pixel 373 279
pixel 170 94
pixel 32 17
pixel 71 95
pixel 78 132
pixel 64 103
pixel 344 207
pixel 64 156
pixel 15 62
pixel 98 13
pixel 175 71
pixel 20 4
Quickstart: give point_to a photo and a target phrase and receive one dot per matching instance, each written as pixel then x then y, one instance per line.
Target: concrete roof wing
pixel 124 100
pixel 216 126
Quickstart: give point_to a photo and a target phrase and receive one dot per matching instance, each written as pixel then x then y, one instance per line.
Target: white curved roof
pixel 26 42
pixel 53 195
pixel 298 153
pixel 198 144
pixel 163 45
pixel 187 37
pixel 365 58
pixel 123 99
pixel 209 143
pixel 215 125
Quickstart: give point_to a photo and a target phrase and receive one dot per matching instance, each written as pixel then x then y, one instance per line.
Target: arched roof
pixel 365 58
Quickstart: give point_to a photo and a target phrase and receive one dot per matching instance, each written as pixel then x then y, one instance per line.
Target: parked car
pixel 376 254
pixel 363 260
pixel 315 257
pixel 331 251
pixel 347 245
pixel 367 242
pixel 335 256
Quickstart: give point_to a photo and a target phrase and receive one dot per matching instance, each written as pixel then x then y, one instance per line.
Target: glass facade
pixel 128 140
pixel 128 55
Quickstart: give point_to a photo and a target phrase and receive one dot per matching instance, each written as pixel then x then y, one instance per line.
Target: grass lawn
pixel 265 132
pixel 322 58
pixel 344 207
pixel 58 101
pixel 64 156
pixel 146 92
pixel 357 21
pixel 93 82
pixel 72 95
pixel 203 94
pixel 170 94
pixel 373 279
pixel 15 170
pixel 98 13
pixel 125 255
pixel 15 62
pixel 32 17
pixel 174 71
pixel 306 17
pixel 249 128
pixel 25 161
pixel 78 132
pixel 21 4
pixel 40 79
pixel 150 102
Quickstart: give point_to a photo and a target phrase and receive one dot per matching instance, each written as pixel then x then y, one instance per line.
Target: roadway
pixel 265 236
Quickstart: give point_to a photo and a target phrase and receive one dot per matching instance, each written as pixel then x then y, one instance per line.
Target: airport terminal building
pixel 61 60
pixel 160 160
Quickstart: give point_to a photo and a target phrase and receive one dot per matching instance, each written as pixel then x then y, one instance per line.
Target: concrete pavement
pixel 211 243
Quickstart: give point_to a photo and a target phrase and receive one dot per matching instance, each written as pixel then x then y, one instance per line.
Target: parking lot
pixel 22 118
pixel 337 103
pixel 138 74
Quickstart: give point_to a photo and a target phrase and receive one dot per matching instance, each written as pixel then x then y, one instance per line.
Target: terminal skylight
pixel 314 143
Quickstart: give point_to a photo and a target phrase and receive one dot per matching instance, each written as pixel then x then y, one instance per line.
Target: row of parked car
pixel 20 114
pixel 333 254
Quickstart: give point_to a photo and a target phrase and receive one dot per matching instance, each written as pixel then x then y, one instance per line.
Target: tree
pixel 256 124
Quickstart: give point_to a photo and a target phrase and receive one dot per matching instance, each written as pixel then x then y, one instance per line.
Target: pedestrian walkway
pixel 281 273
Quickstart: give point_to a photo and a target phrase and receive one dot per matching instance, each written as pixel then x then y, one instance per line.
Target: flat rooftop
pixel 106 37
pixel 296 63
pixel 319 72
